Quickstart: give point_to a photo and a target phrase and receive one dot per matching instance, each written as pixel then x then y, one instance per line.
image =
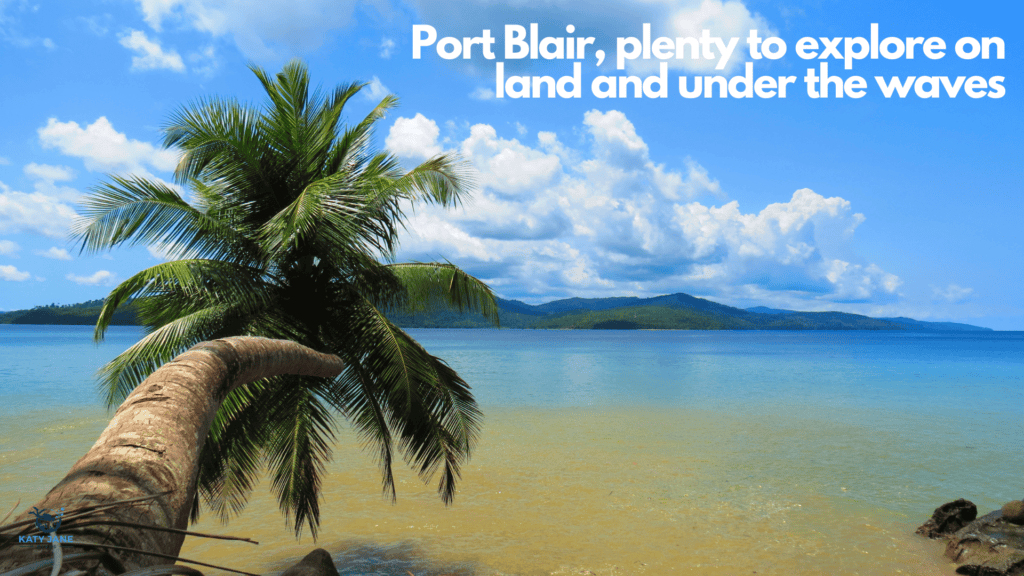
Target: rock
pixel 1013 511
pixel 316 563
pixel 949 518
pixel 988 546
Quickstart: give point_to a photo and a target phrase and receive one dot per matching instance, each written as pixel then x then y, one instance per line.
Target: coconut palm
pixel 126 502
pixel 291 234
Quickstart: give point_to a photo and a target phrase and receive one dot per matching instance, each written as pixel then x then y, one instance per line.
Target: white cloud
pixel 549 221
pixel 149 54
pixel 4 161
pixel 953 294
pixel 481 93
pixel 10 26
pixel 45 178
pixel 414 138
pixel 375 90
pixel 279 28
pixel 506 166
pixel 726 20
pixel 98 278
pixel 387 46
pixel 285 28
pixel 12 274
pixel 33 212
pixel 49 172
pixel 8 248
pixel 104 149
pixel 159 251
pixel 204 62
pixel 54 253
pixel 98 25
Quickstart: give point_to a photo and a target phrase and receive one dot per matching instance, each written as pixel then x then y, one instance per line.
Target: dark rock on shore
pixel 949 518
pixel 988 546
pixel 316 563
pixel 1013 511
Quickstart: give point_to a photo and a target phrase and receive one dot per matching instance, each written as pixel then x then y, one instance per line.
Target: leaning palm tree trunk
pixel 150 450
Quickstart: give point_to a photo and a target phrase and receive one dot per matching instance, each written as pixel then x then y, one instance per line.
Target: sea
pixel 615 453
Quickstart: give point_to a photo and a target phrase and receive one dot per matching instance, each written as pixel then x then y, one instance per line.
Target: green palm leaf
pixel 434 285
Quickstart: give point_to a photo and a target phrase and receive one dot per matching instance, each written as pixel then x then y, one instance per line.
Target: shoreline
pixel 545 486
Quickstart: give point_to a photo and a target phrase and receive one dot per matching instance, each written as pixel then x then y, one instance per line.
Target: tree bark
pixel 152 446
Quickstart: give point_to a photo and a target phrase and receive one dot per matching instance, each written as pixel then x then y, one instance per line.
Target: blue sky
pixel 882 206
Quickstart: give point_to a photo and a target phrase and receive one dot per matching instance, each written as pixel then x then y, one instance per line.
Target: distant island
pixel 670 312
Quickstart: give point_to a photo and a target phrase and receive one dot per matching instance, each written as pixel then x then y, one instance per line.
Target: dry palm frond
pixel 87 516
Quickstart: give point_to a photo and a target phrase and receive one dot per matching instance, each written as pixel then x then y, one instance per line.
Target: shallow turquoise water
pixel 754 429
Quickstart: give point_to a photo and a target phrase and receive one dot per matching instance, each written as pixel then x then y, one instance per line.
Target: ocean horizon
pixel 618 452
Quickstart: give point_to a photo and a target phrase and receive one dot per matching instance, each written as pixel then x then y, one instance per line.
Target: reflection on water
pixel 583 490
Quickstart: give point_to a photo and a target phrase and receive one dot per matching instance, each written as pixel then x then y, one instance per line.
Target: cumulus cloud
pixel 98 25
pixel 551 220
pixel 12 274
pixel 8 248
pixel 508 167
pixel 49 172
pixel 387 46
pixel 282 28
pixel 45 178
pixel 54 253
pixel 375 90
pixel 414 138
pixel 159 251
pixel 10 26
pixel 953 294
pixel 279 28
pixel 204 62
pixel 149 55
pixel 104 149
pixel 33 212
pixel 98 278
pixel 481 93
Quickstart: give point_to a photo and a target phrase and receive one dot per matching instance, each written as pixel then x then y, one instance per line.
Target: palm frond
pixel 197 283
pixel 232 457
pixel 128 369
pixel 299 448
pixel 135 210
pixel 350 149
pixel 431 285
pixel 325 207
pixel 429 408
pixel 446 179
pixel 219 139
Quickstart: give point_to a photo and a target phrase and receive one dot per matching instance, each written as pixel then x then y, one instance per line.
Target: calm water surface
pixel 618 452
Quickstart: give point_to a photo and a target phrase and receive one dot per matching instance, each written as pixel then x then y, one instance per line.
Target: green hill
pixel 84 313
pixel 669 312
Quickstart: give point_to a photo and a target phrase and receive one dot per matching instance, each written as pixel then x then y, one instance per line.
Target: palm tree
pixel 128 500
pixel 292 235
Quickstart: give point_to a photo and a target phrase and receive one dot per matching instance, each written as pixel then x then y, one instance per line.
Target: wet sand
pixel 583 491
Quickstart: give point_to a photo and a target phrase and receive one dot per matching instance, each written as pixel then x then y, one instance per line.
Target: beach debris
pixel 949 518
